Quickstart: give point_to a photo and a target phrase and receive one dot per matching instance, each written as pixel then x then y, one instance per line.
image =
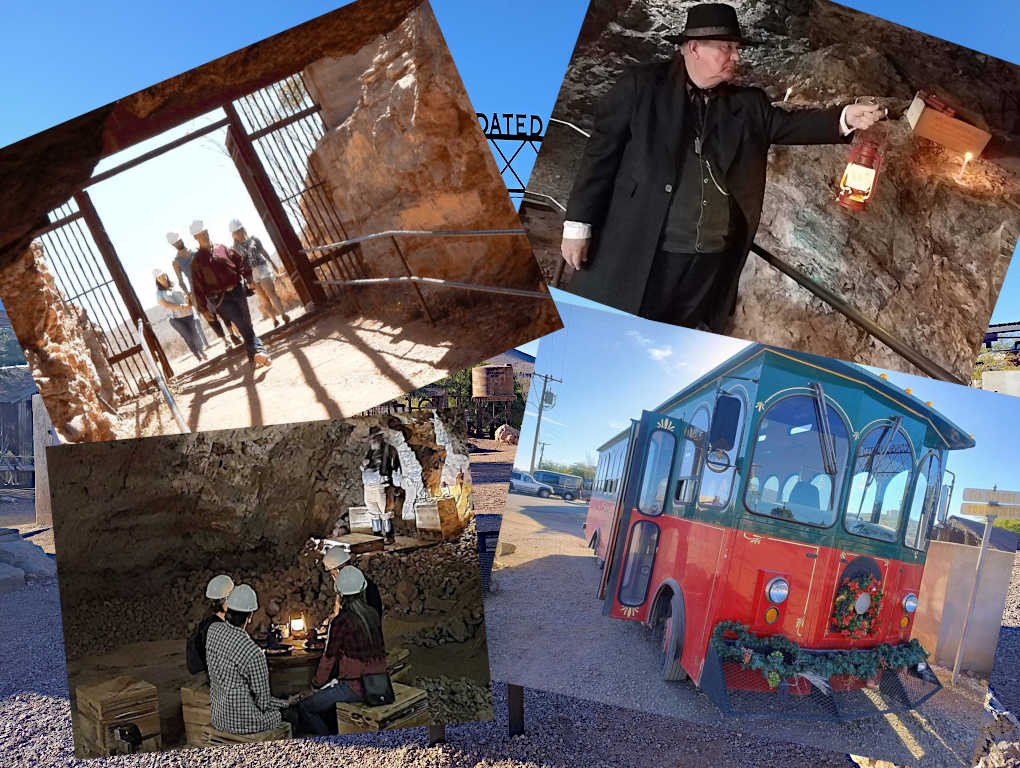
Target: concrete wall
pixel 1006 382
pixel 942 604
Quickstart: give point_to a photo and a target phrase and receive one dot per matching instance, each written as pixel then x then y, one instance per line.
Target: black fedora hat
pixel 712 21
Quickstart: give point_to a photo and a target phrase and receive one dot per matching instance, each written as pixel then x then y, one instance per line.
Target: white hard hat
pixel 350 581
pixel 197 226
pixel 172 237
pixel 242 598
pixel 219 587
pixel 235 224
pixel 335 557
pixel 157 271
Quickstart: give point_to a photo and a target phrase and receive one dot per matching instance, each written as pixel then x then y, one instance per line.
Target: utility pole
pixel 541 454
pixel 541 407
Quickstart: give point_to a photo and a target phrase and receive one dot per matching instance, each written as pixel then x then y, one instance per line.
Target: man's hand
pixel 863 116
pixel 575 250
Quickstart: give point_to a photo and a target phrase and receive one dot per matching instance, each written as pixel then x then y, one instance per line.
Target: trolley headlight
pixel 910 603
pixel 777 590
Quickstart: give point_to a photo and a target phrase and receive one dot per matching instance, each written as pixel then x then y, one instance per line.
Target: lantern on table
pixel 297 626
pixel 857 186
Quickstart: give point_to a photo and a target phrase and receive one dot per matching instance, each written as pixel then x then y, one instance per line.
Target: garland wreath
pixel 777 657
pixel 845 619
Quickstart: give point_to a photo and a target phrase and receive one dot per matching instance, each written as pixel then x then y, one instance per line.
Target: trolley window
pixel 882 470
pixel 925 502
pixel 801 452
pixel 690 457
pixel 637 569
pixel 723 446
pixel 658 462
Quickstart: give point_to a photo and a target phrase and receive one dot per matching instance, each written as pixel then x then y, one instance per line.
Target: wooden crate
pixel 438 518
pixel 359 520
pixel 117 701
pixel 292 673
pixel 398 664
pixel 220 737
pixel 359 543
pixel 195 709
pixel 952 133
pixel 410 710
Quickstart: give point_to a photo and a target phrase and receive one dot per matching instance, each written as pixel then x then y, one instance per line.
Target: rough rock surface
pixel 925 260
pixel 28 558
pixel 457 699
pixel 142 525
pixel 62 349
pixel 413 128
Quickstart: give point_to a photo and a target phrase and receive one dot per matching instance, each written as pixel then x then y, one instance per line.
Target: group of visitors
pixel 216 280
pixel 352 667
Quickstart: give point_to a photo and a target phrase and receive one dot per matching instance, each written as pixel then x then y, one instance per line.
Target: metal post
pixel 437 735
pixel 973 594
pixel 407 269
pixel 515 708
pixel 294 259
pixel 161 383
pixel 541 456
pixel 120 278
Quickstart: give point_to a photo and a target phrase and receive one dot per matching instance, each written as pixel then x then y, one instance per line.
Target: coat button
pixel 669 188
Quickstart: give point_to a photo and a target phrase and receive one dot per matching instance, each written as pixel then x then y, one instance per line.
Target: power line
pixel 541 407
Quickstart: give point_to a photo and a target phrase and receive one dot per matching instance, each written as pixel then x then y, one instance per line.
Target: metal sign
pixel 993 496
pixel 990 510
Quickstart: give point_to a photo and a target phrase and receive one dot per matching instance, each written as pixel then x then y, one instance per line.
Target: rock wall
pixel 409 154
pixel 925 260
pixel 78 386
pixel 141 525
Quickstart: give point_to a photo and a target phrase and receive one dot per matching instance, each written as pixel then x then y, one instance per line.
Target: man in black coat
pixel 668 198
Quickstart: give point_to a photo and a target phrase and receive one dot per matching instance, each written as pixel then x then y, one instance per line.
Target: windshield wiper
pixel 825 437
pixel 876 458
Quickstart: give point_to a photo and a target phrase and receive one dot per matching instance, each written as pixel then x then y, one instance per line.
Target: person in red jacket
pixel 355 647
pixel 218 276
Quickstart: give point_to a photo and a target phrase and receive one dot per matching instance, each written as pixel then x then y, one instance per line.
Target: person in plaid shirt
pixel 239 696
pixel 355 647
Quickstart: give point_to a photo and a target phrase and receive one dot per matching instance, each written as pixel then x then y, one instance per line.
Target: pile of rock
pixel 462 626
pixel 21 561
pixel 507 434
pixel 457 699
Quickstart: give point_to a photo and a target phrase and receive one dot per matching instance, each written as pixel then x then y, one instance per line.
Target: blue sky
pixel 613 366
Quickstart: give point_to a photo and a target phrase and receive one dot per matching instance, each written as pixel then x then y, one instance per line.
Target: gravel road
pixel 491 462
pixel 585 654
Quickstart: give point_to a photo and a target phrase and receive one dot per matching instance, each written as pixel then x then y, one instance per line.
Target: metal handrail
pixel 417 233
pixel 435 281
pixel 161 382
pixel 570 125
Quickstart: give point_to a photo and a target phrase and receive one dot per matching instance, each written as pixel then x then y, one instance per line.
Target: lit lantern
pixel 858 183
pixel 297 626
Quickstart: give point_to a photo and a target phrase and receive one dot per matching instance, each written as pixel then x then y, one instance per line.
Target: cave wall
pixel 409 155
pixel 927 258
pixel 141 525
pixel 63 351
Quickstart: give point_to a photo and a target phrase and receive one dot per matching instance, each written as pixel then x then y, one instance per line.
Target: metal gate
pixel 90 277
pixel 283 124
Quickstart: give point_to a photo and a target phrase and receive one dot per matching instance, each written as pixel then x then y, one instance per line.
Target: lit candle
pixel 788 92
pixel 966 159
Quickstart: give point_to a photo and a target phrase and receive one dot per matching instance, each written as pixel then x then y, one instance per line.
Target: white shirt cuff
pixel 576 230
pixel 844 129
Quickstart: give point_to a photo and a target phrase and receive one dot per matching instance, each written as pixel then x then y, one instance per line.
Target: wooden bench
pixel 274 734
pixel 398 664
pixel 117 701
pixel 410 710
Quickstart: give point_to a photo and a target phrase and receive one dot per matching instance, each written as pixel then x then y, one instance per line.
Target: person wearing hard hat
pixel 263 270
pixel 379 469
pixel 239 697
pixel 216 592
pixel 182 268
pixel 182 317
pixel 219 278
pixel 355 648
pixel 335 559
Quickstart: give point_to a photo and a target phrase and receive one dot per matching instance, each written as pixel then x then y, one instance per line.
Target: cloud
pixel 545 418
pixel 642 340
pixel 660 354
pixel 613 424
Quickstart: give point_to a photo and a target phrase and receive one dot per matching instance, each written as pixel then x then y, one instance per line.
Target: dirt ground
pixel 564 644
pixel 328 367
pixel 491 462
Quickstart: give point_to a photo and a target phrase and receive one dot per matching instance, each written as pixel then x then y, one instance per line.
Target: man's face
pixel 712 61
pixel 203 238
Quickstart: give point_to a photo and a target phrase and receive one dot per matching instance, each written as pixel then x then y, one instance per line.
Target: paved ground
pixel 546 629
pixel 329 367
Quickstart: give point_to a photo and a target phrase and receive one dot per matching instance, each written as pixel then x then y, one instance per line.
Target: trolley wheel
pixel 568 496
pixel 669 638
pixel 543 493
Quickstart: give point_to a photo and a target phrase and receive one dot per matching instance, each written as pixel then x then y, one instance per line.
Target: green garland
pixel 777 657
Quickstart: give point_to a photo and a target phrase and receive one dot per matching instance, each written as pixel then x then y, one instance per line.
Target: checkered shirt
pixel 239 697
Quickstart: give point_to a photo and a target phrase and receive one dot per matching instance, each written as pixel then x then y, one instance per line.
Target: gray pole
pixel 541 455
pixel 973 594
pixel 538 424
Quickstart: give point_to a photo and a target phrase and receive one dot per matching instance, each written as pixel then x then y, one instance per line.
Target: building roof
pixel 16 383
